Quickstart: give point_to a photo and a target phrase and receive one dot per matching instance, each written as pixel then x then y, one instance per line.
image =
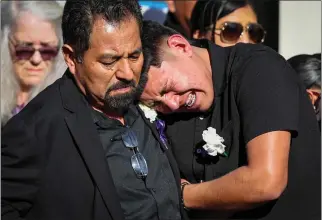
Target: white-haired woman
pixel 30 44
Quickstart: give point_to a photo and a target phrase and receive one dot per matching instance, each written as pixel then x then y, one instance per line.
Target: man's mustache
pixel 121 85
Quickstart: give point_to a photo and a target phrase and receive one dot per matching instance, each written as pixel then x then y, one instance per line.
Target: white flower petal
pixel 149 113
pixel 220 148
pixel 214 143
pixel 210 150
pixel 210 136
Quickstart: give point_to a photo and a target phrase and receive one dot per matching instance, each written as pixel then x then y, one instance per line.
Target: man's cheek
pixel 144 97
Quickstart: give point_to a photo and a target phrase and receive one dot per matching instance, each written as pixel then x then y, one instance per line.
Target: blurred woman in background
pixel 31 42
pixel 308 67
pixel 226 22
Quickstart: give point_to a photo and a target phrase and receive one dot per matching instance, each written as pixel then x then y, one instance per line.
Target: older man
pixel 248 140
pixel 82 149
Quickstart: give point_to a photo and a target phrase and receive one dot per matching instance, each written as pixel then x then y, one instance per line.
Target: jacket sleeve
pixel 21 164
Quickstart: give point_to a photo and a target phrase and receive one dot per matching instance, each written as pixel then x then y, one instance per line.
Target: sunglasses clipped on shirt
pixel 25 52
pixel 138 161
pixel 231 32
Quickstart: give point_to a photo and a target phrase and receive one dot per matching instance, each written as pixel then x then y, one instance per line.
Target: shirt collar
pixel 103 121
pixel 219 61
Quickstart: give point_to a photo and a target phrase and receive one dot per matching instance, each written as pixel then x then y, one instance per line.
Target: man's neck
pixel 203 56
pixel 111 115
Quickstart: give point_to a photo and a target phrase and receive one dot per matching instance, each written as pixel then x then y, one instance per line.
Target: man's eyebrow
pixel 137 51
pixel 164 88
pixel 109 56
pixel 115 56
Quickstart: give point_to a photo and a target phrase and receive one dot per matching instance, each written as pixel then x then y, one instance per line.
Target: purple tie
pixel 161 127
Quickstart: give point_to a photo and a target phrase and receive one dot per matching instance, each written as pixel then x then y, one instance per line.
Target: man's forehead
pixel 101 24
pixel 115 36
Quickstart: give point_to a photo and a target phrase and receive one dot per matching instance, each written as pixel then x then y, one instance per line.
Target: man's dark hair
pixel 153 35
pixel 308 67
pixel 79 17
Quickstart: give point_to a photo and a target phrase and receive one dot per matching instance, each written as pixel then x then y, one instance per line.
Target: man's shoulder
pixel 252 59
pixel 255 52
pixel 242 58
pixel 242 48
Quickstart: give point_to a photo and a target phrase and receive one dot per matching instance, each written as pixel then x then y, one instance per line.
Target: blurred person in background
pixel 308 67
pixel 178 17
pixel 226 22
pixel 317 55
pixel 30 45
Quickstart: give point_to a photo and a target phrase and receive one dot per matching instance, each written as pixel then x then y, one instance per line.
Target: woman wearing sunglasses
pixel 29 50
pixel 308 67
pixel 226 22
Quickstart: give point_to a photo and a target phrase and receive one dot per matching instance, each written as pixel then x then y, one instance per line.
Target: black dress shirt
pixel 153 198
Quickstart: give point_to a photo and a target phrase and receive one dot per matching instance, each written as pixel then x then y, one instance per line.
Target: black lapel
pixel 166 149
pixel 82 128
pixel 153 128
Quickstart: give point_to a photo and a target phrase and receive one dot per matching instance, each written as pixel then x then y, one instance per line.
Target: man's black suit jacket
pixel 53 164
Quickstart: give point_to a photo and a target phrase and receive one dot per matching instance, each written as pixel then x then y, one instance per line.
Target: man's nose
pixel 124 71
pixel 172 101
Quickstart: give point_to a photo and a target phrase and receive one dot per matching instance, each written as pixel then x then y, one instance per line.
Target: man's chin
pixel 117 104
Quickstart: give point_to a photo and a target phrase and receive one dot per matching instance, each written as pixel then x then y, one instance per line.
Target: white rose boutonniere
pixel 214 143
pixel 152 115
pixel 149 113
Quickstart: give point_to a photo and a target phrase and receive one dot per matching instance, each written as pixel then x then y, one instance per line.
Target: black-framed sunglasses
pixel 230 32
pixel 138 161
pixel 25 52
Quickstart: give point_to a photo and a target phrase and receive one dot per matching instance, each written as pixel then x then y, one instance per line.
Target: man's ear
pixel 180 43
pixel 69 57
pixel 171 6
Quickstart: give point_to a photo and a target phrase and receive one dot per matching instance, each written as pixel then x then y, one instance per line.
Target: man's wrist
pixel 183 188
